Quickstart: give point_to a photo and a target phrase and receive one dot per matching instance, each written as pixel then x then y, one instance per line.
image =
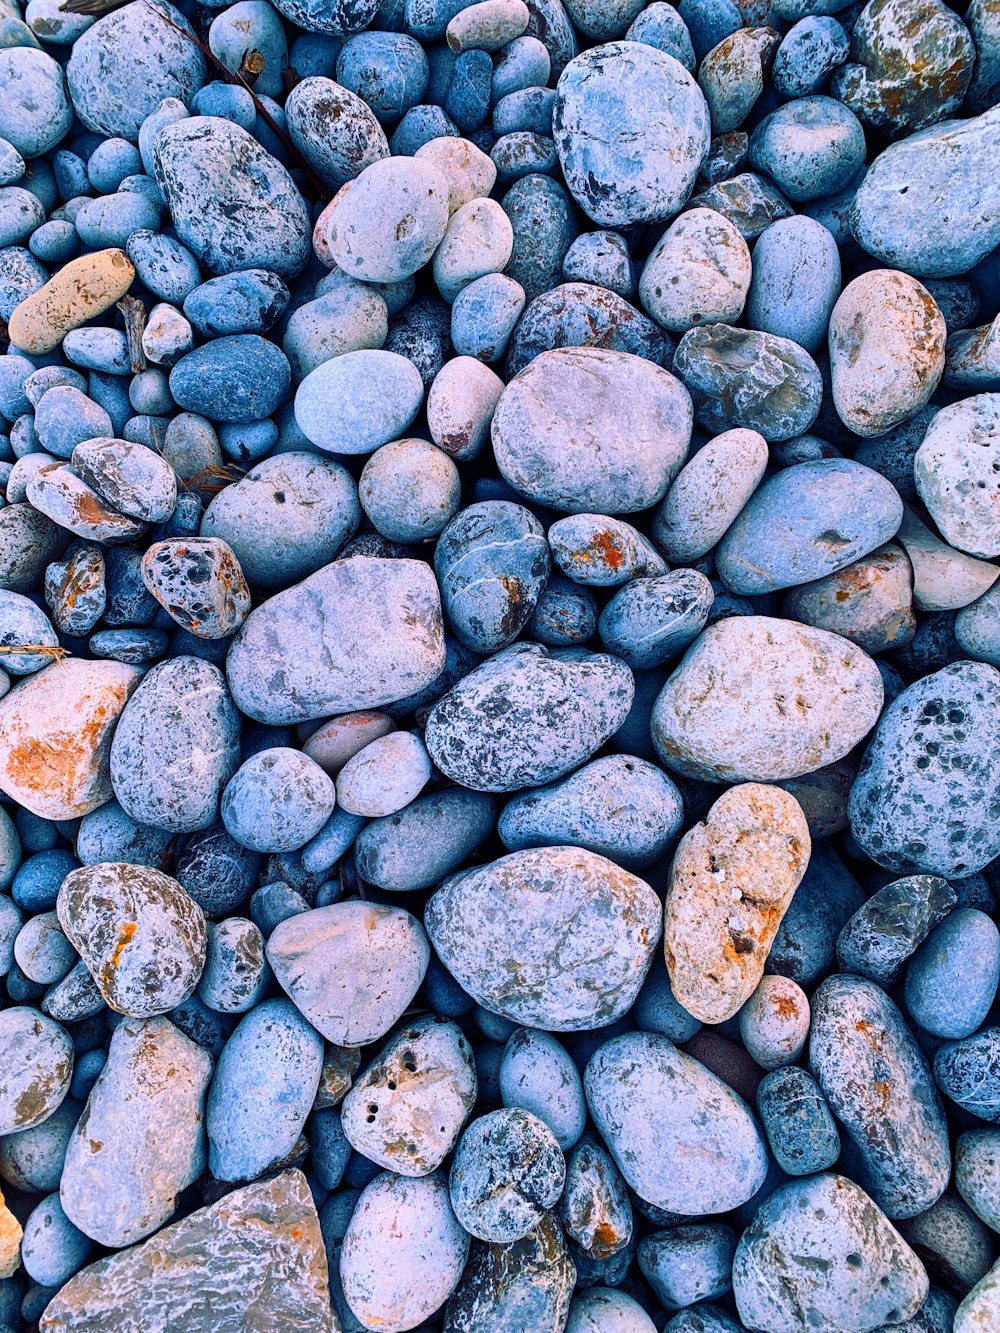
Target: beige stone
pixel 81 290
pixel 10 1241
pixel 943 579
pixel 55 736
pixel 731 882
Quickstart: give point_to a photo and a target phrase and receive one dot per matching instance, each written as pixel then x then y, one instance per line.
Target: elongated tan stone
pixel 731 882
pixel 55 736
pixel 10 1241
pixel 81 290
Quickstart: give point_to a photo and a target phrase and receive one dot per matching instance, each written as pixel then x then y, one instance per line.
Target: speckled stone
pixel 132 478
pixel 605 136
pixel 233 205
pixel 955 472
pixel 388 222
pixel 403 1252
pixel 258 1248
pixel 868 602
pixel 930 204
pixel 351 968
pixel 81 290
pixel 605 1309
pixel 801 1131
pixel 359 633
pixel 619 806
pixel 910 64
pixel 683 1140
pixel 263 1088
pixel 334 129
pixel 887 342
pixel 708 494
pixel 277 801
pixel 527 1284
pixel 36 1065
pixel 819 1254
pixel 141 936
pixel 879 1086
pixel 741 377
pixel 807 521
pixel 28 542
pixel 507 1171
pixel 927 795
pixel 141 1138
pixel 581 314
pixel 595 1208
pixel 651 621
pixel 555 937
pixel 527 717
pixel 176 746
pixel 603 552
pixel 742 728
pixel 407 1108
pixel 732 73
pixel 55 736
pixel 731 881
pixel 697 273
pixel 980 1310
pixel 877 940
pixel 968 1072
pixel 585 430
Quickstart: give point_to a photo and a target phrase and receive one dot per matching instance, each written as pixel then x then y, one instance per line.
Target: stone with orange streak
pixel 55 736
pixel 731 882
pixel 869 602
pixel 595 1207
pixel 58 493
pixel 200 584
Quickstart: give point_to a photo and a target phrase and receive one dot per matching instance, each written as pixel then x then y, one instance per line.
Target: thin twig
pixel 226 74
pixel 56 652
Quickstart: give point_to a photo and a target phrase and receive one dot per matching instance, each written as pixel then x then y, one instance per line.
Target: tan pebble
pixel 943 579
pixel 10 1241
pixel 55 736
pixel 869 602
pixel 731 882
pixel 81 290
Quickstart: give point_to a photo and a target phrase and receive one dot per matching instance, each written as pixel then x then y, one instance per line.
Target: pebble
pixel 740 728
pixel 801 1131
pixel 351 968
pixel 708 494
pixel 81 290
pixel 731 881
pixel 507 1171
pixel 889 927
pixel 603 552
pixel 698 272
pixel 277 801
pixel 140 1140
pixel 781 1274
pixel 37 1067
pixel 538 1075
pixel 952 978
pixel 953 464
pixel 355 403
pixel 493 928
pixel 682 1139
pixel 142 938
pixel 530 1280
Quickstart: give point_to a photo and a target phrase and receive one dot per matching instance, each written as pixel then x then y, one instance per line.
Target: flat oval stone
pixel 951 980
pixel 56 491
pixel 351 968
pixel 758 699
pixel 682 1139
pixel 928 794
pixel 238 379
pixel 731 881
pixel 141 1138
pixel 741 377
pixel 807 521
pixel 556 937
pixel 879 1086
pixel 335 130
pixel 263 1089
pixel 407 1108
pixel 586 430
pixel 142 938
pixel 819 1254
pixel 621 165
pixel 526 717
pixel 37 1065
pixel 955 475
pixel 176 746
pixel 708 494
pixel 233 205
pixel 123 67
pixel 355 403
pixel 403 1253
pixel 603 552
pixel 887 350
pixel 620 807
pixel 385 776
pixel 258 1248
pixel 930 204
pixel 417 846
pixel 81 290
pixel 527 1284
pixel 358 633
pixel 55 736
pixel 137 481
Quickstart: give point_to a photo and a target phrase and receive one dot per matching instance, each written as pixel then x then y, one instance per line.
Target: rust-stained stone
pixel 36 1065
pixel 525 1285
pixel 869 602
pixel 57 491
pixel 339 1067
pixel 731 882
pixel 55 736
pixel 142 938
pixel 252 1263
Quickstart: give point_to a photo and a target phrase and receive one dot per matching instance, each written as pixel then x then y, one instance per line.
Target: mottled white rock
pixel 708 494
pixel 350 968
pixel 697 273
pixel 957 472
pixel 731 882
pixel 758 699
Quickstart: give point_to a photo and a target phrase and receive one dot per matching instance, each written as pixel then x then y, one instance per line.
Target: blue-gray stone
pixel 927 797
pixel 653 620
pixel 240 378
pixel 421 844
pixel 877 940
pixel 968 1072
pixel 796 281
pixel 277 801
pixel 951 980
pixel 800 1128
